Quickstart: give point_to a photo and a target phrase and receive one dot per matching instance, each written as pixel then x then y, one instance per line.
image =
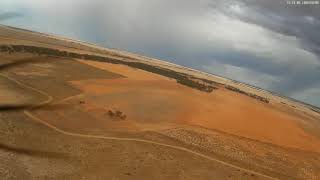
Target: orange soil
pixel 148 98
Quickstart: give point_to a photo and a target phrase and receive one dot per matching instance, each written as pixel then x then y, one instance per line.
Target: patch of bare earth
pixel 148 98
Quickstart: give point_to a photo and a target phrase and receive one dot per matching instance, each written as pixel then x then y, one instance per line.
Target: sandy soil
pixel 222 110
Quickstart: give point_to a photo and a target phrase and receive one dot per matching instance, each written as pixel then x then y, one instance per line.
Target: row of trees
pixel 265 100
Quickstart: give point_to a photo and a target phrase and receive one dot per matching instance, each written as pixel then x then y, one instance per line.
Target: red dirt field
pixel 148 98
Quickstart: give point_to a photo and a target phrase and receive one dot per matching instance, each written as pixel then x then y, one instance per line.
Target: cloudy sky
pixel 266 43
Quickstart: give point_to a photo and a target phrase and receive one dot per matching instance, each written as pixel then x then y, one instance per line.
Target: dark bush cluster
pixel 116 115
pixel 231 88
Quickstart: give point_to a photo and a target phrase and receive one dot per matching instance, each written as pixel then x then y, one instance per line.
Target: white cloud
pixel 241 36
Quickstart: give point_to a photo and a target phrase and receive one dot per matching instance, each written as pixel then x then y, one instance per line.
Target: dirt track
pixel 50 99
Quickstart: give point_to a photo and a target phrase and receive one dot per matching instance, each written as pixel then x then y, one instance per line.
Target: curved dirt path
pixel 50 99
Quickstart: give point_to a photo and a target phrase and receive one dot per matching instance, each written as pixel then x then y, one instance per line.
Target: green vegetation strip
pixel 181 78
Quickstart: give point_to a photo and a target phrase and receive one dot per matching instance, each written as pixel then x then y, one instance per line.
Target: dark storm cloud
pixel 300 21
pixel 262 42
